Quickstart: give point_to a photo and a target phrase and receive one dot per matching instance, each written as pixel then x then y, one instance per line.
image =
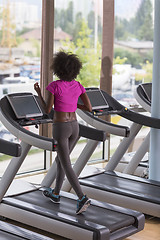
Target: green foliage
pixel 78 26
pixel 146 75
pixel 90 73
pixel 71 25
pixel 148 67
pixel 143 21
pixel 24 30
pixel 139 27
pixel 118 60
pixel 64 19
pixel 120 29
pixel 132 58
pixel 19 40
pixel 36 44
pixel 91 17
pixel 91 25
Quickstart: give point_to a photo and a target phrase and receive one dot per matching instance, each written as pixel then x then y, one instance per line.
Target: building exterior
pixel 29 38
pixel 135 46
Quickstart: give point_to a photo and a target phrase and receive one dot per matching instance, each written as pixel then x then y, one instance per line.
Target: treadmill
pixel 24 202
pixel 9 231
pixel 118 188
pixel 143 94
pixel 140 160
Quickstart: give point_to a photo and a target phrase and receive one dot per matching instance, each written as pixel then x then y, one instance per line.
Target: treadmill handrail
pixel 101 124
pixel 131 115
pixel 7 118
pixel 10 148
pixel 92 133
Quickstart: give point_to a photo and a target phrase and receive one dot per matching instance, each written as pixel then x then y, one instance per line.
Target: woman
pixel 64 94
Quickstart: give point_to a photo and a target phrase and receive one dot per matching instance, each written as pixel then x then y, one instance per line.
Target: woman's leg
pixel 66 134
pixel 60 174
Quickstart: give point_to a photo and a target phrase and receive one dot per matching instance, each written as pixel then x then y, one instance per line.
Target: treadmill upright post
pixel 50 176
pixel 122 148
pixel 12 169
pixel 133 164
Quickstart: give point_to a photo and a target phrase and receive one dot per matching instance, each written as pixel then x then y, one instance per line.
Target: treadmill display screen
pixel 97 99
pixel 25 106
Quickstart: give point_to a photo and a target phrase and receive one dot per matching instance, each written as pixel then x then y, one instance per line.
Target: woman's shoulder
pixel 76 82
pixel 55 82
pixel 80 85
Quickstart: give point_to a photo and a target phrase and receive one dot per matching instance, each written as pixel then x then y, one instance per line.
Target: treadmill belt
pixel 131 186
pixel 99 215
pixel 113 219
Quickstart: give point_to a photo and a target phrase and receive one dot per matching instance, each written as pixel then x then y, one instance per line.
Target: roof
pixel 36 34
pixel 136 44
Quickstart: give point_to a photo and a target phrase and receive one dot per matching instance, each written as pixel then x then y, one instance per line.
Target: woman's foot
pixel 53 197
pixel 82 204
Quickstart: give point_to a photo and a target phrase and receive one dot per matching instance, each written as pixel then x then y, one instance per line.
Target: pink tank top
pixel 66 94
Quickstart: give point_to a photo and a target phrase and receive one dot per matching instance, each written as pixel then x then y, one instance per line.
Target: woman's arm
pixel 86 103
pixel 47 106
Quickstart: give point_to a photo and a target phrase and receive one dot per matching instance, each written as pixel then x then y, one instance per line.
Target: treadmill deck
pixel 125 186
pixel 102 219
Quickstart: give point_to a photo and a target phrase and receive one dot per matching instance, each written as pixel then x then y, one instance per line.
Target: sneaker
pixel 49 193
pixel 82 204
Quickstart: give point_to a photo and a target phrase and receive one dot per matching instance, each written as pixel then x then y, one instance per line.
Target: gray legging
pixel 66 134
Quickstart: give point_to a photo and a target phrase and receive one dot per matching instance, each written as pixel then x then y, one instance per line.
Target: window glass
pixel 20 52
pixel 133 53
pixel 78 29
pixel 133 44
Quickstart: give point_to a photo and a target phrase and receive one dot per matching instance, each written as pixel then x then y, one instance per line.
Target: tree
pixel 77 26
pixel 91 24
pixel 8 29
pixel 64 19
pixel 56 18
pixel 119 29
pixel 69 12
pixel 139 27
pixel 143 21
pixel 132 58
pixel 148 67
pixel 90 73
pixel 91 20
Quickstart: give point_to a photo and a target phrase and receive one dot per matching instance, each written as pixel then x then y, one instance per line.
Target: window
pixel 20 52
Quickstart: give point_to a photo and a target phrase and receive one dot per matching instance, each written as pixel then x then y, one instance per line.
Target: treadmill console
pixel 27 110
pixel 100 105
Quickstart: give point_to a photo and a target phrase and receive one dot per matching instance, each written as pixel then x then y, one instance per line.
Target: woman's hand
pixel 86 103
pixel 47 105
pixel 37 88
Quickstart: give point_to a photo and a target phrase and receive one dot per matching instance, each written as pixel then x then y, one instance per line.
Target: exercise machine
pixel 119 188
pixel 10 231
pixel 29 206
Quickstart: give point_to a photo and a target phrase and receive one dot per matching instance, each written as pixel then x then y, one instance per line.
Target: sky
pixel 126 8
pixel 123 8
pixel 36 2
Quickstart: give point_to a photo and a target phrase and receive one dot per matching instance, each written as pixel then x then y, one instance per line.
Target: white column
pixel 154 162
